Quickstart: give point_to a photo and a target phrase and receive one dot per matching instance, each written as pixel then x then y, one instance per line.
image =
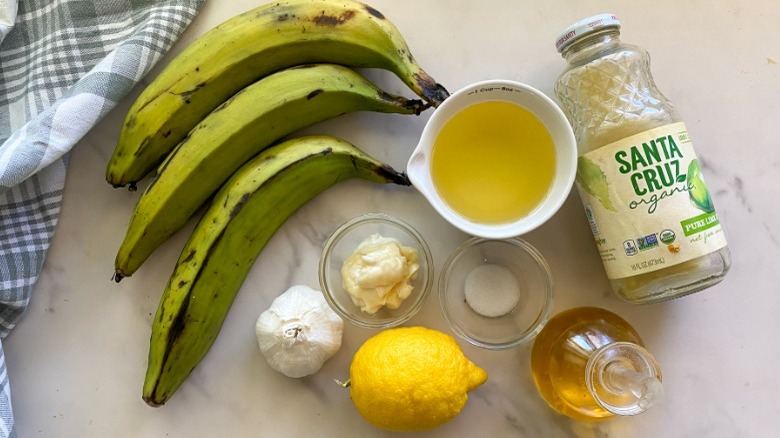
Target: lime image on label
pixel 700 196
pixel 594 181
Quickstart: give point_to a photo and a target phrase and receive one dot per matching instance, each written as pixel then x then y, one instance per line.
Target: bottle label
pixel 647 203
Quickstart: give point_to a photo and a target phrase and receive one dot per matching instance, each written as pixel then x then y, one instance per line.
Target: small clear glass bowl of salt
pixel 496 294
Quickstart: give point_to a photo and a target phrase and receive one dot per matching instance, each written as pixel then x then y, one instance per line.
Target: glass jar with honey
pixel 590 364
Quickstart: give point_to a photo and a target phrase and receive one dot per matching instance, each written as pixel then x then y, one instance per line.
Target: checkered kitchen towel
pixel 63 65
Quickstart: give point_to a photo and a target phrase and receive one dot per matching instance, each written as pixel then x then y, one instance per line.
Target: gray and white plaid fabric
pixel 63 65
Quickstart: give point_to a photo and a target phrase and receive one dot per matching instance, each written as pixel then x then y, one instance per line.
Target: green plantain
pixel 250 121
pixel 228 238
pixel 246 48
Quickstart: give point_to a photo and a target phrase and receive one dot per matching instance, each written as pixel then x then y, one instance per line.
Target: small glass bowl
pixel 344 241
pixel 534 286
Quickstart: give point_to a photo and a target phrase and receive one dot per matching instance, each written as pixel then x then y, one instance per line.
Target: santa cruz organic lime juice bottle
pixel 638 176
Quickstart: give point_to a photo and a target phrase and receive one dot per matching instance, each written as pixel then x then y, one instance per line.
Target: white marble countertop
pixel 76 361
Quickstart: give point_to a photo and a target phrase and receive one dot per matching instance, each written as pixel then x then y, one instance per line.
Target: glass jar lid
pixel 584 27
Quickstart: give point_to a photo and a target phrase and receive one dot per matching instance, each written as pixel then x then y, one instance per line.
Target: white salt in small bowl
pixel 496 293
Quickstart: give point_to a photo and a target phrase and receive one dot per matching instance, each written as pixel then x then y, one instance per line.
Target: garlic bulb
pixel 299 332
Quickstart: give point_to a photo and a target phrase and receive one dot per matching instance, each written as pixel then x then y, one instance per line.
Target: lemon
pixel 411 378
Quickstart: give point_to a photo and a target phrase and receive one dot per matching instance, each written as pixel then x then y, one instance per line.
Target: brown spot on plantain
pixel 153 98
pixel 142 147
pixel 130 121
pixel 374 12
pixel 331 20
pixel 190 255
pixel 185 95
pixel 405 53
pixel 239 205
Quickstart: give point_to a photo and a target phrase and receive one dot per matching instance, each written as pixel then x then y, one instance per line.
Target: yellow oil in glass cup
pixel 497 159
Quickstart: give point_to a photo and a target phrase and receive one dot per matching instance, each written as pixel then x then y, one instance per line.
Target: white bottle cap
pixel 584 27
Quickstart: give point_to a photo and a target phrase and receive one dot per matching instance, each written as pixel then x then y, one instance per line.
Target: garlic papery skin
pixel 299 332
